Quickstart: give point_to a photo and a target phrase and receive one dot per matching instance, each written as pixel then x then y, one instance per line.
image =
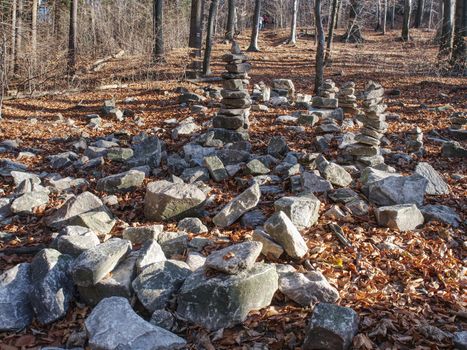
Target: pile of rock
pixel 458 127
pixel 236 102
pixel 326 96
pixel 366 150
pixel 414 141
pixel 347 98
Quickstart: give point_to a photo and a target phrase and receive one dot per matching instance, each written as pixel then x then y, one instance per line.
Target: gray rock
pixel 277 147
pixel 307 289
pixel 150 253
pixel 119 154
pixel 52 286
pixel 235 258
pixel 225 300
pixel 358 207
pixel 191 175
pixel 398 190
pixel 116 284
pixel 5 208
pixel 303 211
pixel 139 235
pixel 156 285
pixel 256 167
pixel 453 149
pixel 165 200
pixel 20 176
pixel 185 128
pixel 331 327
pixel 270 247
pixel 312 183
pixel 441 213
pixel 403 217
pixel 460 340
pixel 94 264
pixel 114 325
pixel 173 243
pixel 284 232
pixel 15 309
pixel 7 166
pixel 238 206
pixel 195 153
pixel 124 182
pixel 216 168
pixel 193 225
pixel 98 221
pixel 195 260
pixel 147 151
pixel 333 172
pixel 163 319
pixel 29 201
pixel 253 219
pixel 436 184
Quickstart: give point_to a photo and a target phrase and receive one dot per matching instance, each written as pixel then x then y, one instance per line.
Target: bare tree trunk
pixel 196 23
pixel 34 30
pixel 293 26
pixel 354 33
pixel 255 30
pixel 378 15
pixel 3 66
pixel 328 58
pixel 230 30
pixel 406 22
pixel 393 14
pixel 209 37
pixel 459 54
pixel 419 13
pixel 158 53
pixel 19 36
pixel 13 35
pixel 445 46
pixel 385 16
pixel 72 39
pixel 57 17
pixel 430 20
pixel 319 77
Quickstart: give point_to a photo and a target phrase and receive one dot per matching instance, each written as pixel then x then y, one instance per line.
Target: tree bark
pixel 406 21
pixel 13 35
pixel 209 37
pixel 34 30
pixel 19 36
pixel 72 39
pixel 196 23
pixel 430 19
pixel 255 30
pixel 320 49
pixel 335 5
pixel 378 15
pixel 293 25
pixel 354 33
pixel 393 14
pixel 385 16
pixel 419 13
pixel 459 54
pixel 158 53
pixel 230 30
pixel 446 42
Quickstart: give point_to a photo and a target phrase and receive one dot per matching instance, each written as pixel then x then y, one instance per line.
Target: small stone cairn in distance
pixel 347 98
pixel 236 102
pixel 414 141
pixel 366 150
pixel 326 96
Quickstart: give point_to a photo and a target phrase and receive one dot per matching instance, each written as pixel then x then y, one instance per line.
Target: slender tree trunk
pixel 158 53
pixel 406 22
pixel 459 54
pixel 385 16
pixel 209 37
pixel 57 17
pixel 319 77
pixel 419 13
pixel 72 39
pixel 196 23
pixel 19 36
pixel 445 46
pixel 335 5
pixel 13 35
pixel 230 30
pixel 293 25
pixel 378 15
pixel 255 30
pixel 34 30
pixel 393 14
pixel 430 20
pixel 354 33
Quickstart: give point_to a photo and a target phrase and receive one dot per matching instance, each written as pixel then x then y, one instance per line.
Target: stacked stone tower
pixel 326 96
pixel 347 98
pixel 231 122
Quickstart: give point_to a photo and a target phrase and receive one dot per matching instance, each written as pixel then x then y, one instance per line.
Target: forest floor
pixel 405 300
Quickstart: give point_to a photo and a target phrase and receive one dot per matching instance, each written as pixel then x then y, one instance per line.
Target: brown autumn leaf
pixel 229 256
pixel 25 340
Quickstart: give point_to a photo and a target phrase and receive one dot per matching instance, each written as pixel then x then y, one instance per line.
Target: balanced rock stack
pixel 366 150
pixel 326 96
pixel 236 102
pixel 414 140
pixel 458 127
pixel 347 98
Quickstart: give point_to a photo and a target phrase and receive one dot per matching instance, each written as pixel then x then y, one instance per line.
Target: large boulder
pixel 238 206
pixel 94 264
pixel 166 200
pixel 52 286
pixel 402 217
pixel 123 182
pixel 436 184
pixel 114 325
pixel 441 213
pixel 398 190
pixel 331 327
pixel 302 210
pixel 158 282
pixel 284 232
pixel 235 258
pixel 29 201
pixel 15 308
pixel 225 300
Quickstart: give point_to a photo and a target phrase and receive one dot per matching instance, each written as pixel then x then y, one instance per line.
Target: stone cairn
pixel 414 141
pixel 326 96
pixel 236 102
pixel 366 150
pixel 347 99
pixel 458 127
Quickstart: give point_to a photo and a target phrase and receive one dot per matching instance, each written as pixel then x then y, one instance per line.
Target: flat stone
pixel 404 217
pixel 192 225
pixel 331 327
pixel 158 282
pixel 123 182
pixel 29 201
pixel 52 287
pixel 150 253
pixel 398 190
pixel 312 183
pixel 284 232
pixel 441 213
pixel 191 175
pixel 343 195
pixel 238 206
pixel 230 122
pixel 94 264
pixel 303 211
pixel 98 221
pixel 224 301
pixel 216 168
pixel 140 235
pixel 165 200
pixel 256 167
pixel 436 184
pixel 270 247
pixel 235 258
pixel 119 154
pixel 114 325
pixel 15 308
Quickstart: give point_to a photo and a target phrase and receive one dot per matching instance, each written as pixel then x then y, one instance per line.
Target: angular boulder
pixel 402 217
pixel 140 235
pixel 395 190
pixel 123 182
pixel 436 184
pixel 303 211
pixel 235 258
